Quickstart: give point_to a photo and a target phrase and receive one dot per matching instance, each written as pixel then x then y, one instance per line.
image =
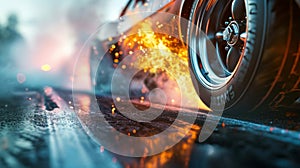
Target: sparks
pixel 162 53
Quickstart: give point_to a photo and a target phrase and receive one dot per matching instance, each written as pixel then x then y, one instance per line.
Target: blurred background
pixel 39 40
pixel 39 45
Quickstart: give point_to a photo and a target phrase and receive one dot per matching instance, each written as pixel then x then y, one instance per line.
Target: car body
pixel 240 32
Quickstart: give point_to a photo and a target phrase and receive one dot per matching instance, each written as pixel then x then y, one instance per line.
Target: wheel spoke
pixel 219 35
pixel 243 36
pixel 238 9
pixel 232 59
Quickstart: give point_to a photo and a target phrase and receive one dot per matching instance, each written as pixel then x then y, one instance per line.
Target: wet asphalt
pixel 43 130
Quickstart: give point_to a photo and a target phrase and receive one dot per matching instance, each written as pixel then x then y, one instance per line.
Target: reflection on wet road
pixel 31 136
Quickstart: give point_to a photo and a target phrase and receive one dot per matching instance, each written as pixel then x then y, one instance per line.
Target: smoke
pixel 52 33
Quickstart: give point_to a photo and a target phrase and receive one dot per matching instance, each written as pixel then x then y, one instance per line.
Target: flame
pixel 162 53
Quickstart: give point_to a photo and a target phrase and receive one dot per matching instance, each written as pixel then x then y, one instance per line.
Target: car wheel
pixel 245 53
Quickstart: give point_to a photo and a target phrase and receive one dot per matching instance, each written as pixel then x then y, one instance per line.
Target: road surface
pixel 39 128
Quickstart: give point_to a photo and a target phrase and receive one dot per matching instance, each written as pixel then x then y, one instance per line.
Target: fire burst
pixel 160 53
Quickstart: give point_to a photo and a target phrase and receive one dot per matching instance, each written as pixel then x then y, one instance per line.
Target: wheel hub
pixel 231 33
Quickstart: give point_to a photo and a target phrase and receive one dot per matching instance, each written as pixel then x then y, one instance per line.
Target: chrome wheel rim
pixel 217 41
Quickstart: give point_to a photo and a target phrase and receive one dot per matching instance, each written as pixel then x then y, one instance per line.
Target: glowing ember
pixel 223 124
pixel 123 66
pixel 142 99
pixel 113 111
pixel 46 67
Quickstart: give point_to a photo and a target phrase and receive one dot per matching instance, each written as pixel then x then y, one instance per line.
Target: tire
pixel 255 59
